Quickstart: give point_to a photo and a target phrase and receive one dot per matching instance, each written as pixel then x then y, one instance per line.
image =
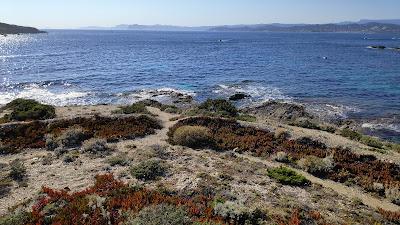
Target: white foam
pixel 258 93
pixel 379 126
pixel 165 95
pixel 43 95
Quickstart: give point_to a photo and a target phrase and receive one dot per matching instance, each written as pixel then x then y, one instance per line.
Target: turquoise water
pixel 334 74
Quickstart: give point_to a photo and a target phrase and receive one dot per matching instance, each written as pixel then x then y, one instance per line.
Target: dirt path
pixel 341 189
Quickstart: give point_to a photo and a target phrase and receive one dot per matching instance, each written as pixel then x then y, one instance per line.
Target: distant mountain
pixel 14 29
pixel 339 28
pixel 156 27
pixel 362 26
pixel 394 21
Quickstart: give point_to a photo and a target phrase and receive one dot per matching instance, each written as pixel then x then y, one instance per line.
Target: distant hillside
pixel 14 29
pixel 394 21
pixel 339 28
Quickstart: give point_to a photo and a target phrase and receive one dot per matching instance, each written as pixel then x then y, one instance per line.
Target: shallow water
pixel 336 74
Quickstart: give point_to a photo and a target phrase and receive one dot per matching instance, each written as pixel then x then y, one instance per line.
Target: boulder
pixel 279 111
pixel 239 96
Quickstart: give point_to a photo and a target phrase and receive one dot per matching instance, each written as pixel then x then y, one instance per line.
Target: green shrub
pixel 351 134
pixel 162 214
pixel 51 142
pixel 120 159
pixel 247 118
pixel 372 142
pixel 16 218
pixel 218 107
pixel 305 123
pixel 287 176
pixel 193 136
pixel 72 137
pixel 26 109
pixel 138 107
pixel 96 146
pixel 238 214
pixel 316 165
pixel 5 186
pixel 148 170
pixel 17 170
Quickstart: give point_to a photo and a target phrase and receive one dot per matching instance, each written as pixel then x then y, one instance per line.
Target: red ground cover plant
pixel 119 199
pixel 16 137
pixel 362 169
pixel 390 216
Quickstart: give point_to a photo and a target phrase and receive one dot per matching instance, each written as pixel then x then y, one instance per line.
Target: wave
pixel 44 95
pixel 164 95
pixel 331 111
pixel 259 93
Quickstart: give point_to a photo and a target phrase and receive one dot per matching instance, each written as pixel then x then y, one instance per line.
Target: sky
pixel 81 13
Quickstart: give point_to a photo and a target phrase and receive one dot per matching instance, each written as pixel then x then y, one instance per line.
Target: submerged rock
pixel 239 96
pixel 280 111
pixel 377 47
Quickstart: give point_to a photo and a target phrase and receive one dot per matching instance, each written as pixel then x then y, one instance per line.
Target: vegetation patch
pixel 160 215
pixel 17 170
pixel 26 109
pixel 287 176
pixel 362 169
pixel 148 170
pixel 16 137
pixel 193 137
pixel 110 201
pixel 97 146
pixel 139 108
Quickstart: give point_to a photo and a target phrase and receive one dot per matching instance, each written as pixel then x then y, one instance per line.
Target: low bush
pixel 246 118
pixel 16 137
pixel 26 109
pixel 148 170
pixel 351 134
pixel 305 123
pixel 315 165
pixel 372 142
pixel 287 176
pixel 193 137
pixel 281 157
pixel 393 195
pixel 18 217
pixel 234 213
pixel 51 142
pixel 96 146
pixel 218 107
pixel 5 186
pixel 119 160
pixel 139 108
pixel 162 214
pixel 72 137
pixel 17 170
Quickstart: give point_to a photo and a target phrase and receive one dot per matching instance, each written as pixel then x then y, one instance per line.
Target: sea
pixel 333 74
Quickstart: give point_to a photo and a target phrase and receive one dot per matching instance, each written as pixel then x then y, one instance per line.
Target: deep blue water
pixel 333 73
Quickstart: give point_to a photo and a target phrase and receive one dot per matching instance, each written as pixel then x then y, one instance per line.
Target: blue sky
pixel 78 13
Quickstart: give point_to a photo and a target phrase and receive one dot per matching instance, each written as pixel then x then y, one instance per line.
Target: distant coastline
pixel 6 29
pixel 362 26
